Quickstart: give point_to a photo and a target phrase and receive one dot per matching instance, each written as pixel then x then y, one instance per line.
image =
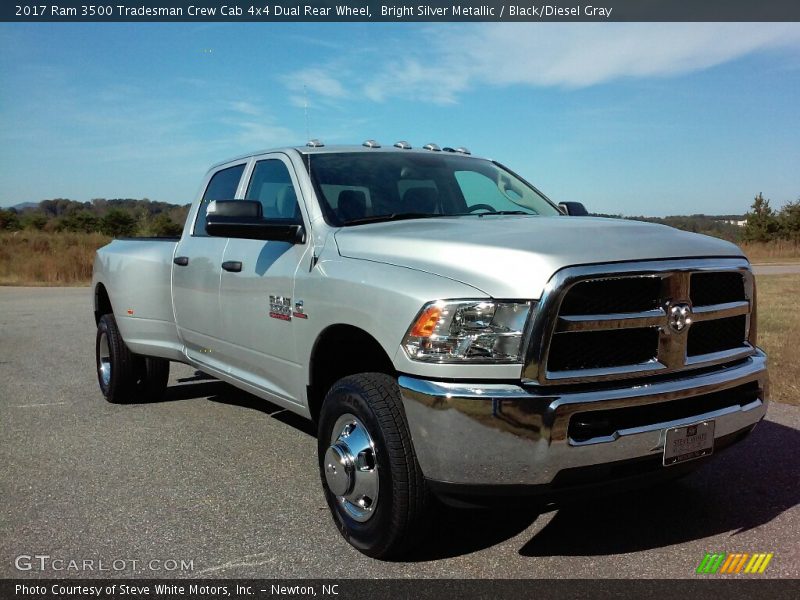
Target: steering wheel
pixel 475 207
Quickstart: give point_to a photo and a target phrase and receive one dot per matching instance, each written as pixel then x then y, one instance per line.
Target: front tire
pixel 372 482
pixel 124 376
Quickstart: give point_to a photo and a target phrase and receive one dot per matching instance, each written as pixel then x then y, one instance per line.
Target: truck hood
pixel 514 256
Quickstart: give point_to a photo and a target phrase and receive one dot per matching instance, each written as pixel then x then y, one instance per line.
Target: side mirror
pixel 243 219
pixel 573 209
pixel 235 208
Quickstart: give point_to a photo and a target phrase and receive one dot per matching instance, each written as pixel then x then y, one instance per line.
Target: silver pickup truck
pixel 452 332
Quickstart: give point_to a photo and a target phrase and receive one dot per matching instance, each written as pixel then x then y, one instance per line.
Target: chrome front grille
pixel 615 321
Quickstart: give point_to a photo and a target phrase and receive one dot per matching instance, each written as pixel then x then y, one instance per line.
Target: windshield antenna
pixel 305 110
pixel 314 255
pixel 308 127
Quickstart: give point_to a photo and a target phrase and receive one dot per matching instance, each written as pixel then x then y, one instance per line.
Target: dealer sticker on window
pixel 689 442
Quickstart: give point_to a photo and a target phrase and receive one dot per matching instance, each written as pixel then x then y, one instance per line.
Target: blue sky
pixel 634 118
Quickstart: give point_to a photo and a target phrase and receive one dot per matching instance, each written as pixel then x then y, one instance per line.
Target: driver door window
pixel 271 185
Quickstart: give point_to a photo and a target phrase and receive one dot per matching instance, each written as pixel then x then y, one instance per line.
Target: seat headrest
pixel 420 200
pixel 352 204
pixel 286 203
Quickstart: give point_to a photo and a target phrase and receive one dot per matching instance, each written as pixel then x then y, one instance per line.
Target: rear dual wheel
pixel 372 482
pixel 124 376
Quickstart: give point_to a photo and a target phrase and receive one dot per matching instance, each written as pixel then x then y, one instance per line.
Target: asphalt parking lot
pixel 225 482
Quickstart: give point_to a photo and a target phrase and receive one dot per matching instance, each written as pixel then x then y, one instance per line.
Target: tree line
pixel 721 226
pixel 761 224
pixel 764 224
pixel 126 217
pixel 118 217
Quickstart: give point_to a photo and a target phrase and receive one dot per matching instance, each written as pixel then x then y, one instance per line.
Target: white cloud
pixel 316 82
pixel 245 108
pixel 252 127
pixel 256 134
pixel 439 83
pixel 565 55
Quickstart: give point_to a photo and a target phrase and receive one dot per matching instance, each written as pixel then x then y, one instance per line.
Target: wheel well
pixel 102 303
pixel 342 350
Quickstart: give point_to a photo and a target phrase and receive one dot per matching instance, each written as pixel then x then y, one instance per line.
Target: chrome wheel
pixel 104 360
pixel 351 468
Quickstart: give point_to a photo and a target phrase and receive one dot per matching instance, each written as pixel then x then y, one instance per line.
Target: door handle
pixel 181 261
pixel 234 266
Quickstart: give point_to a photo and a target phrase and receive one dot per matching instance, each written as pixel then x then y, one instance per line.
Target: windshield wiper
pixel 498 212
pixel 390 217
pixel 505 212
pixel 406 215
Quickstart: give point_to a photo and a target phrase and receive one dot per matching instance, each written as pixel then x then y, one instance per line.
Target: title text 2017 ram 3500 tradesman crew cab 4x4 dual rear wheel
pixel 451 331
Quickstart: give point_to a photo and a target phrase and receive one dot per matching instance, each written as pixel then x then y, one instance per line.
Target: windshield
pixel 360 187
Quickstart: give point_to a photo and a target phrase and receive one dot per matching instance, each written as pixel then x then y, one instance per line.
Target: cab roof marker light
pixel 462 150
pixel 314 144
pixel 371 144
pixel 432 147
pixel 403 145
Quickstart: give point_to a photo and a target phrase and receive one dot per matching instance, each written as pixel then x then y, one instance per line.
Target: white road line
pixel 244 561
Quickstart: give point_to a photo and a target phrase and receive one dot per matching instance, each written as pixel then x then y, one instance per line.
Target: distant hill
pixel 728 227
pixel 24 205
pixel 112 216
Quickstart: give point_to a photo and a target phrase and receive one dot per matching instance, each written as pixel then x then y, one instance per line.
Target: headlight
pixel 453 331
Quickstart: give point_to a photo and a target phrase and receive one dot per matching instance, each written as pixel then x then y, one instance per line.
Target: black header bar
pixel 400 11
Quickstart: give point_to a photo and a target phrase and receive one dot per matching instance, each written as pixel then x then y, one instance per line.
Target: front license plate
pixel 688 443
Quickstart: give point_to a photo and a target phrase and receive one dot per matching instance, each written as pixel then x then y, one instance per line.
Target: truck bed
pixel 137 274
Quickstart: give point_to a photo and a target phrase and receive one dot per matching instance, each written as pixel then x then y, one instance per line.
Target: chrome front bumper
pixel 503 434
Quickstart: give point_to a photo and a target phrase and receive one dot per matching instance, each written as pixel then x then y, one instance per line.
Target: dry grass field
pixel 39 258
pixel 779 333
pixel 779 251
